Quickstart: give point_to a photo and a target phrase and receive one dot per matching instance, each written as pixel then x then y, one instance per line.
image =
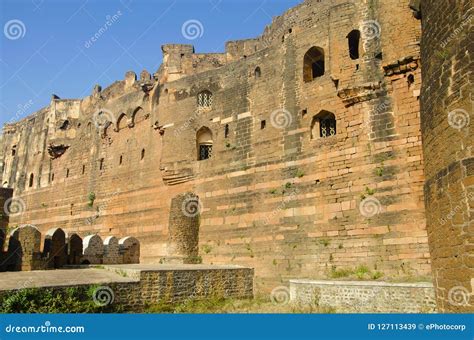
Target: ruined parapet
pixel 55 248
pixel 130 79
pixel 74 251
pixel 111 251
pixel 173 55
pixel 239 49
pixel 184 227
pixel 129 248
pixel 93 250
pixel 24 249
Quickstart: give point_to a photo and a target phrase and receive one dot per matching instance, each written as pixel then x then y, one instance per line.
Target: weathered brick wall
pixel 447 146
pixel 365 297
pixel 5 198
pixel 272 197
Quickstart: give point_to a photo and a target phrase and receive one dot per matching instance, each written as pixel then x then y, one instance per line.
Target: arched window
pixel 138 116
pixel 122 122
pixel 204 143
pixel 31 180
pixel 313 64
pixel 353 39
pixel 258 72
pixel 204 99
pixel 323 125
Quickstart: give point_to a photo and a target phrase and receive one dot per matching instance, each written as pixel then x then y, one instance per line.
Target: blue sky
pixel 45 45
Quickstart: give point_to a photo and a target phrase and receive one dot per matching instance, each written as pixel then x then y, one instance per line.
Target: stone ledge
pixel 364 283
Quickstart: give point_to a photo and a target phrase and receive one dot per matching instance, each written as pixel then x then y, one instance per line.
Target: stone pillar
pixel 447 124
pixel 184 227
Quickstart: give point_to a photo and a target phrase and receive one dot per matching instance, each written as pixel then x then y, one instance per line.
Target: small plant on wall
pixel 91 198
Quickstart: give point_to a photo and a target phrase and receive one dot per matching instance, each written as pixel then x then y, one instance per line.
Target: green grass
pixel 259 304
pixel 42 300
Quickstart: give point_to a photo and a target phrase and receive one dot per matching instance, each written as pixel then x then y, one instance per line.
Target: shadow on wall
pixel 59 249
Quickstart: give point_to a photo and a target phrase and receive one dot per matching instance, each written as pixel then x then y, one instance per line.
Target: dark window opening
pixel 327 127
pixel 120 161
pixel 67 173
pixel 205 151
pixel 31 180
pixel 204 99
pixel 410 79
pixel 83 169
pixel 226 131
pixel 304 112
pixel 313 65
pixel 101 166
pixel 64 125
pixel 263 124
pixel 353 39
pixel 14 150
pixel 323 125
pixel 258 72
pixel 204 143
pixel 143 154
pixel 52 177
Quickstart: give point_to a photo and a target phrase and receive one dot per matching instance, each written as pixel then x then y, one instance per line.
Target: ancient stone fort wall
pixel 447 106
pixel 316 160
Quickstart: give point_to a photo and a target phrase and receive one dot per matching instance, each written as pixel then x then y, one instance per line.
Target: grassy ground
pixel 259 304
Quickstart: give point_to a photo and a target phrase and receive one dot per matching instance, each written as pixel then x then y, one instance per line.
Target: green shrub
pixel 47 300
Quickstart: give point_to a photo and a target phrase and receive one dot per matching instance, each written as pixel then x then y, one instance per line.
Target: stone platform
pixel 365 296
pixel 136 285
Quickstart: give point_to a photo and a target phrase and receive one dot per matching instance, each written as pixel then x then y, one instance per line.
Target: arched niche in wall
pixel 313 64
